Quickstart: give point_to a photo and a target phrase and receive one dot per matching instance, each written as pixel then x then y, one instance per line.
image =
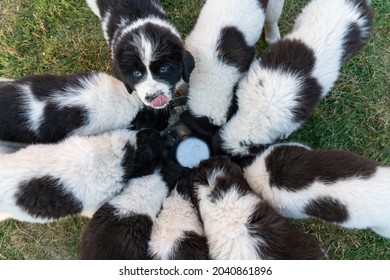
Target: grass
pixel 63 37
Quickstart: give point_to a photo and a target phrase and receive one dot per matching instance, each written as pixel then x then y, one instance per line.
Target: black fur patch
pixel 46 197
pixel 233 49
pixel 328 209
pixel 293 56
pixel 294 168
pixel 128 162
pixel 233 177
pixel 263 4
pixel 58 122
pixel 199 126
pixel 109 237
pixel 14 120
pixel 354 38
pixel 149 152
pixel 130 10
pixel 281 240
pixel 150 118
pixel 192 247
pixel 289 55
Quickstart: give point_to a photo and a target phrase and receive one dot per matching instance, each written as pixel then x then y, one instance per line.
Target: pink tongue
pixel 159 101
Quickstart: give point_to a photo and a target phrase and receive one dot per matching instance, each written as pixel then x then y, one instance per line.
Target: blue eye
pixel 164 69
pixel 137 73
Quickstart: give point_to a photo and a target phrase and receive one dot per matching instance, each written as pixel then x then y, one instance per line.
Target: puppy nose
pixel 150 97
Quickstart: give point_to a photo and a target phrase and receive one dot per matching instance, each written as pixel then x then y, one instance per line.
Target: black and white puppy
pixel 223 45
pixel 48 108
pixel 283 88
pixel 147 51
pixel 46 182
pixel 143 223
pixel 178 233
pixel 238 224
pixel 121 228
pixel 337 186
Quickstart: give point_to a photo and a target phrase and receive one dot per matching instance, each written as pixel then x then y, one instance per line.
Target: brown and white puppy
pixel 238 224
pixel 337 186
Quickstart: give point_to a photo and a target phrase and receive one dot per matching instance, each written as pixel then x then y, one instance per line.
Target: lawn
pixel 64 37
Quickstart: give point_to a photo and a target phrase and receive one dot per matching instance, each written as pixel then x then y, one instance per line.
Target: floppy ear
pixel 188 65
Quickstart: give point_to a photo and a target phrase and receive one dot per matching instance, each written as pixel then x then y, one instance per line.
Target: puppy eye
pixel 164 68
pixel 137 73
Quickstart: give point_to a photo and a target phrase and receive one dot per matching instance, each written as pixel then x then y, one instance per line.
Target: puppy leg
pixel 272 15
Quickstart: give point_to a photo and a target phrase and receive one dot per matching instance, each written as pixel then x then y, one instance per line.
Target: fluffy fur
pixel 121 228
pixel 147 51
pixel 240 225
pixel 178 233
pixel 223 45
pixel 46 182
pixel 48 108
pixel 282 89
pixel 336 186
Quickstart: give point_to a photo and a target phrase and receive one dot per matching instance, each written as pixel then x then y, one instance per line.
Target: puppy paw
pixel 272 33
pixel 149 149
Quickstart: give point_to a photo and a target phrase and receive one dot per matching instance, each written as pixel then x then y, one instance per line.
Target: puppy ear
pixel 188 65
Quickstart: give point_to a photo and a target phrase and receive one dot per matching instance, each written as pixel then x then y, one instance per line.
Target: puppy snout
pixel 150 97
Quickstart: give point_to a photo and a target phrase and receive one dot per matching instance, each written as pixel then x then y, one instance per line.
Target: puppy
pixel 147 51
pixel 46 182
pixel 121 228
pixel 336 186
pixel 240 225
pixel 223 45
pixel 282 89
pixel 178 233
pixel 49 108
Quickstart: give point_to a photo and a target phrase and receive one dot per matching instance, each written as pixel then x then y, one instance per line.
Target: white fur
pixel 212 81
pixel 88 167
pixel 367 199
pixel 272 15
pixel 272 115
pixel 321 26
pixel 143 195
pixel 267 97
pixel 177 217
pixel 95 95
pixel 225 222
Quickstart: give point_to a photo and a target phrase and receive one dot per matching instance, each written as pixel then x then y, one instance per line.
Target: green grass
pixel 64 36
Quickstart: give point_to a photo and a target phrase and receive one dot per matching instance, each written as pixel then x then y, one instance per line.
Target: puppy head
pixel 150 60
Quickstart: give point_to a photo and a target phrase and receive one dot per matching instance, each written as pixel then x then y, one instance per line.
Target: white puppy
pixel 46 182
pixel 337 186
pixel 282 89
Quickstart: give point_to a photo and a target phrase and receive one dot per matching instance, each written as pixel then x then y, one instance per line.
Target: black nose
pixel 150 97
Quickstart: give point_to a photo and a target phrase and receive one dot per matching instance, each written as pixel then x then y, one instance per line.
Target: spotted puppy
pixel 147 51
pixel 238 224
pixel 336 186
pixel 283 88
pixel 121 228
pixel 49 108
pixel 223 45
pixel 178 233
pixel 46 182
